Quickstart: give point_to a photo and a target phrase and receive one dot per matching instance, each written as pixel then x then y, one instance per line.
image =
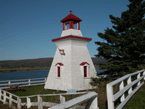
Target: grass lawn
pixel 35 90
pixel 137 101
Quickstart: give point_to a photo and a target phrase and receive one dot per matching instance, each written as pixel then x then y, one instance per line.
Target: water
pixel 28 74
pixel 23 75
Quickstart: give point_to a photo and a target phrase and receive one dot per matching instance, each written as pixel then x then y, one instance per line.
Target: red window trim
pixel 59 64
pixel 83 63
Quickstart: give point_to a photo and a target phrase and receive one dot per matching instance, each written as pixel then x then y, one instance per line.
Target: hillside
pixel 40 62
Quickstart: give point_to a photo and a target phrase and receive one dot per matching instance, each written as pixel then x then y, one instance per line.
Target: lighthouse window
pixel 84 66
pixel 58 71
pixel 75 25
pixel 85 71
pixel 67 25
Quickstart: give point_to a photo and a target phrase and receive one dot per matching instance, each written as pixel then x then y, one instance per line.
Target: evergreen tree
pixel 124 45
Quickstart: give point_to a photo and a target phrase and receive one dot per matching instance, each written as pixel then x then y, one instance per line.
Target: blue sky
pixel 28 26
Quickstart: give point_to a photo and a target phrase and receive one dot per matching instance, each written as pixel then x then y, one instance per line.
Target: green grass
pixel 35 90
pixel 137 101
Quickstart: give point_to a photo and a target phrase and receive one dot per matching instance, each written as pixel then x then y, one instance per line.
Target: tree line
pixel 41 62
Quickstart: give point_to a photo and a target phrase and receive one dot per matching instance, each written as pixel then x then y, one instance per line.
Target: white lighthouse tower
pixel 72 66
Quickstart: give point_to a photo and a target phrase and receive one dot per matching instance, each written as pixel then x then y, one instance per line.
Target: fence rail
pixel 22 82
pixel 91 97
pixel 129 83
pixel 139 75
pixel 4 95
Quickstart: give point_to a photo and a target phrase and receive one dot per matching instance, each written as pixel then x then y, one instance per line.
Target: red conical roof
pixel 71 17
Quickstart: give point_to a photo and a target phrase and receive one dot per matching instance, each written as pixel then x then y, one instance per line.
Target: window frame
pixel 84 65
pixel 58 68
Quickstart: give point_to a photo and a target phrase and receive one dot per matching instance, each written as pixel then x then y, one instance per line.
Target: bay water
pixel 28 74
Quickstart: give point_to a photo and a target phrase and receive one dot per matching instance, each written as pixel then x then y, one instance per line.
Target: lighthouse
pixel 72 66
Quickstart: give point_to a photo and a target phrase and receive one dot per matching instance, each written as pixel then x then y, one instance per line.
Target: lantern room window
pixel 67 26
pixel 71 21
pixel 75 25
pixel 71 25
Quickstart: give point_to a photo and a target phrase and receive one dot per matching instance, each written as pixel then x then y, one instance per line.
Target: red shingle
pixel 71 17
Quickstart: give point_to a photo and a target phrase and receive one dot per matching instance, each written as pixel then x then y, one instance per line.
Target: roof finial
pixel 70 11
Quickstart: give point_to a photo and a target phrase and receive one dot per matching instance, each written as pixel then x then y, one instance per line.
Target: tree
pixel 124 45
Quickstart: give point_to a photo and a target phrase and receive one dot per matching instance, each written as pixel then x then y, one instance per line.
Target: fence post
pixel 128 82
pixel 40 102
pixel 62 99
pixel 138 76
pixel 92 103
pixel 10 100
pixel 121 86
pixel 9 82
pixel 28 102
pixel 29 82
pixel 110 97
pixel 0 94
pixel 19 103
pixel 144 74
pixel 4 97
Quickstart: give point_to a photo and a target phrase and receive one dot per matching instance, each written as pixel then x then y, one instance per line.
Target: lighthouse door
pixel 85 71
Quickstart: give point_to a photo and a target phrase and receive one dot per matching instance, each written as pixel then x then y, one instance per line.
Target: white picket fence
pixel 11 97
pixel 140 75
pixel 91 97
pixel 22 82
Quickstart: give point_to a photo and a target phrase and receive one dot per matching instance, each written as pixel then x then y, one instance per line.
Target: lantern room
pixel 71 25
pixel 70 21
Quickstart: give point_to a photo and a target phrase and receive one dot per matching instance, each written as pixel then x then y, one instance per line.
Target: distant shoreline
pixel 22 69
pixel 26 69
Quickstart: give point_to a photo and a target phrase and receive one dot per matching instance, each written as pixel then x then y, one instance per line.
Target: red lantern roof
pixel 71 17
